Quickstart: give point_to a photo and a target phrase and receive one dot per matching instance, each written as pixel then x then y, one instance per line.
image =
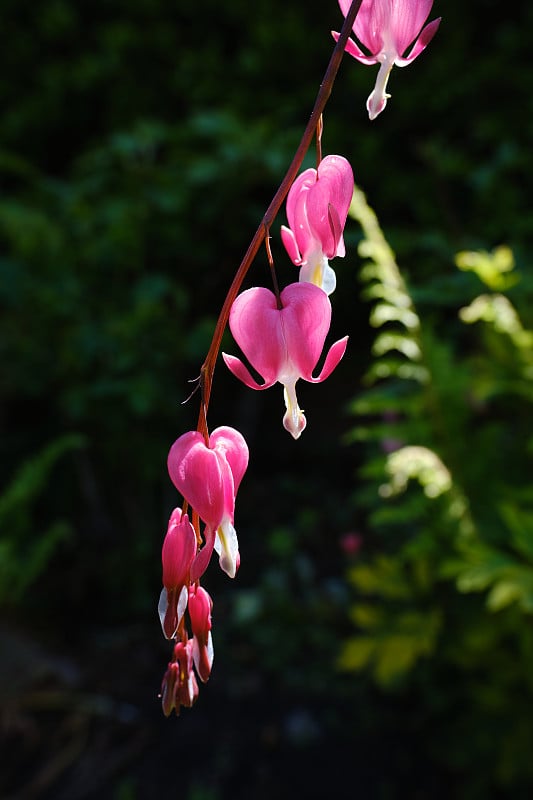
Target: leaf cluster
pixel 446 583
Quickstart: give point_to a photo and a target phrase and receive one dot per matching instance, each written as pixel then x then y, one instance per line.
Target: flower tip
pixel 295 422
pixel 228 565
pixel 294 419
pixel 375 104
pixel 227 547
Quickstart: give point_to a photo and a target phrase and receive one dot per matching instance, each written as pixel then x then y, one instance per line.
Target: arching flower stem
pixel 313 126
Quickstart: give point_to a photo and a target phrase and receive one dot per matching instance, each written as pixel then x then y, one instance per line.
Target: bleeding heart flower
pixel 200 605
pixel 179 686
pixel 387 28
pixel 179 549
pixel 283 344
pixel 317 207
pixel 208 477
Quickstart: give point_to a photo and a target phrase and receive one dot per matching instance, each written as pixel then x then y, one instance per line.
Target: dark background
pixel 140 144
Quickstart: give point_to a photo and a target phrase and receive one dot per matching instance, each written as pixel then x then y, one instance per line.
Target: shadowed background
pixel 140 144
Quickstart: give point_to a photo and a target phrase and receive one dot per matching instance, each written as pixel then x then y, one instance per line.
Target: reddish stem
pixel 319 131
pixel 208 367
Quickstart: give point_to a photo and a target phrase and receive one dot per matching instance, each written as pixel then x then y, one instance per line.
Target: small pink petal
pixel 333 357
pixel 241 372
pixel 353 50
pixel 421 43
pixel 291 246
pixel 201 562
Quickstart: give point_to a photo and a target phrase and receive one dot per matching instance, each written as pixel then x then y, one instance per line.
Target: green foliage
pixel 449 501
pixel 139 147
pixel 493 269
pixel 393 635
pixel 104 322
pixel 27 542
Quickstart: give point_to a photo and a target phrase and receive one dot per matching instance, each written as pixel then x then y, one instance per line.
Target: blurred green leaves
pixel 140 144
pixel 27 539
pixel 493 269
pixel 448 495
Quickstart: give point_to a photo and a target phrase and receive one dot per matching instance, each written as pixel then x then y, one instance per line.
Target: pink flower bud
pixel 179 549
pixel 200 605
pixel 179 686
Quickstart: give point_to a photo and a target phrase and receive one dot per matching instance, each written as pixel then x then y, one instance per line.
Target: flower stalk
pixel 314 125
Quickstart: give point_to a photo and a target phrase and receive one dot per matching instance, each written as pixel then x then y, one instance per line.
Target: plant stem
pixel 208 367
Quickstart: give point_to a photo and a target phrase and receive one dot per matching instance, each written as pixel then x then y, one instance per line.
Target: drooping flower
pixel 317 207
pixel 283 344
pixel 208 477
pixel 179 549
pixel 179 686
pixel 200 605
pixel 386 28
